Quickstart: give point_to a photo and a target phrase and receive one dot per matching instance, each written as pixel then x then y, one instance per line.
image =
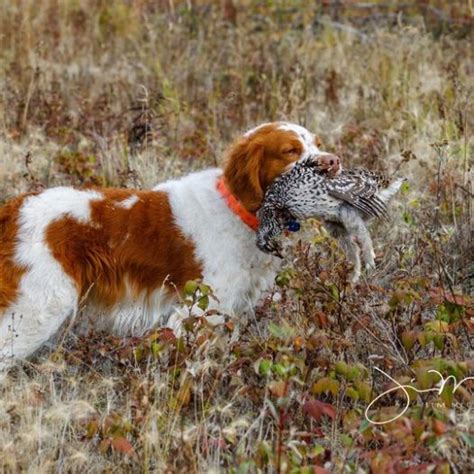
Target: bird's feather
pixel 359 187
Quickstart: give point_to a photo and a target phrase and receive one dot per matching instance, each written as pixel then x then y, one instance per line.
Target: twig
pixel 29 94
pixel 342 27
pixel 462 188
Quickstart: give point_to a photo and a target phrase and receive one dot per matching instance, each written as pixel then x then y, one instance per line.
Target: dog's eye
pixel 291 151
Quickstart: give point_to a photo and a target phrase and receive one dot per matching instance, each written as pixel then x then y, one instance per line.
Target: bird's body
pixel 306 192
pixel 344 202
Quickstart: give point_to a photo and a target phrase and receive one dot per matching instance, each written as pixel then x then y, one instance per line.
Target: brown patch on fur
pixel 10 273
pixel 141 246
pixel 255 161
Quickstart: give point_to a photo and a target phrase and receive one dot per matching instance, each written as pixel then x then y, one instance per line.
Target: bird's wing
pixel 359 191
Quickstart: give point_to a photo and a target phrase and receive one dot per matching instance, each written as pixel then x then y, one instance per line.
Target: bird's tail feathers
pixel 387 194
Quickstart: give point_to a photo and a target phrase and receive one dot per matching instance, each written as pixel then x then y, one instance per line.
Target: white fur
pixel 307 139
pixel 133 315
pixel 232 265
pixel 47 295
pixel 129 202
pixel 250 132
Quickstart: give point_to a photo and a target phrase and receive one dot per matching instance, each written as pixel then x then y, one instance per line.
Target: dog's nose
pixel 331 163
pixel 333 160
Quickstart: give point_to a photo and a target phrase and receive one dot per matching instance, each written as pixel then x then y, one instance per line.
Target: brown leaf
pixel 167 335
pixel 229 11
pixel 201 339
pixel 279 389
pixel 122 445
pixel 298 343
pixel 321 319
pixel 315 409
pixel 320 470
pixel 184 394
pixel 439 295
pixel 104 445
pixel 360 324
pixel 439 427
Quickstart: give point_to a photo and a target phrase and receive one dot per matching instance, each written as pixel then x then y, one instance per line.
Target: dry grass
pixel 129 93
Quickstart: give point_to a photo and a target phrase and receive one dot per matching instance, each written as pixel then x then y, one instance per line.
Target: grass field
pixel 125 93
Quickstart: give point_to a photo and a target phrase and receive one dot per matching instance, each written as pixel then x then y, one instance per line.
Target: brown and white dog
pixel 124 255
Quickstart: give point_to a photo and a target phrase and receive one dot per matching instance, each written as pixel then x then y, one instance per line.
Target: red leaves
pixel 439 427
pixel 279 389
pixel 316 409
pixel 321 319
pixel 440 295
pixel 361 323
pixel 320 470
pixel 122 445
pixel 298 343
pixel 112 432
pixel 167 335
pixel 118 444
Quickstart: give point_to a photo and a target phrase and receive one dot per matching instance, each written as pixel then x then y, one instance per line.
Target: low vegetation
pixel 130 93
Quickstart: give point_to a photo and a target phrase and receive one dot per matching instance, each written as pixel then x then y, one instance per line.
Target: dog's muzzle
pixel 329 163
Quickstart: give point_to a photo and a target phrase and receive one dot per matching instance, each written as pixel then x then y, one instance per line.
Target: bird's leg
pixel 353 254
pixel 356 227
pixel 349 245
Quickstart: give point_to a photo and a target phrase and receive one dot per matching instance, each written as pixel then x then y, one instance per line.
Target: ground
pixel 130 93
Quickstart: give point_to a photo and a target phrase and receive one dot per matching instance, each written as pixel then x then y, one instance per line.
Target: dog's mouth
pixel 331 171
pixel 335 171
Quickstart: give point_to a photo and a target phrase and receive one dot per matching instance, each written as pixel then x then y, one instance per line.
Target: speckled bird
pixel 344 202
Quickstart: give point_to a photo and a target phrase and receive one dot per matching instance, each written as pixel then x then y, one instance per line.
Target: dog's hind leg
pixel 41 307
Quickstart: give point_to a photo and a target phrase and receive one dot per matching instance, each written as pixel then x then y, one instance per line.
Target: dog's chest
pixel 241 277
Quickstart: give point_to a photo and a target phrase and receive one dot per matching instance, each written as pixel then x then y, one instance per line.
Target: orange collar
pixel 236 206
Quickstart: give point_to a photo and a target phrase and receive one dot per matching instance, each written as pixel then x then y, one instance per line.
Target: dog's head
pixel 267 151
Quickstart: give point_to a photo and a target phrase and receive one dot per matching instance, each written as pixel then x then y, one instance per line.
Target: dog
pixel 118 259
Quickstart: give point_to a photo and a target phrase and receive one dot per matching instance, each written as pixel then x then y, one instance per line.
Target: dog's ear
pixel 255 161
pixel 243 172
